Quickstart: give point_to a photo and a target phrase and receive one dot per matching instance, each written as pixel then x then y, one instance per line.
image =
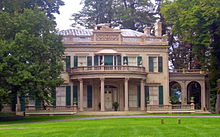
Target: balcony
pixel 108 71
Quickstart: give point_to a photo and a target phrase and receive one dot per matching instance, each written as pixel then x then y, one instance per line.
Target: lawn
pixel 150 127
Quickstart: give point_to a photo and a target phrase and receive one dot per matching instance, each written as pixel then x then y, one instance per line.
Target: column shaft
pixel 71 93
pixel 126 94
pixel 142 96
pixel 81 95
pixel 102 94
pixel 203 102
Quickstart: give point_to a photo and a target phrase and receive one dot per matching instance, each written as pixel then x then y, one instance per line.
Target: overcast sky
pixel 63 19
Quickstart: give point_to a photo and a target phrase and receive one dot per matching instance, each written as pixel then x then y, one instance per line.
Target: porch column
pixel 184 92
pixel 142 95
pixel 102 94
pixel 81 94
pixel 126 94
pixel 203 103
pixel 71 94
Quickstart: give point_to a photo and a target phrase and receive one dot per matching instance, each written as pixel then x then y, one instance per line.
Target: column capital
pixel 80 80
pixel 102 79
pixel 143 79
pixel 126 79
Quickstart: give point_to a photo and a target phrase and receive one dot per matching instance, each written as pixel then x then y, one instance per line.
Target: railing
pixel 77 39
pixel 107 68
pixel 131 39
pixel 175 107
pixel 187 71
pixel 49 109
pixel 126 39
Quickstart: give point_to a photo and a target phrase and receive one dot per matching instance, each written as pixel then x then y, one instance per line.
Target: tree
pixel 49 6
pixel 30 55
pixel 130 14
pixel 193 21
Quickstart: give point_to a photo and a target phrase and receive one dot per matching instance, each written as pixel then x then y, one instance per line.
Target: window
pixel 68 60
pixel 132 95
pixel 153 95
pixel 60 96
pixel 156 64
pixel 132 61
pixel 82 61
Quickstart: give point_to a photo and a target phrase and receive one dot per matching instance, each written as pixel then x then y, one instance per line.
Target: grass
pixel 42 118
pixel 149 127
pixel 60 117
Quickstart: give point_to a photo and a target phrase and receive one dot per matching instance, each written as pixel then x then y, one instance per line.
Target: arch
pixel 175 92
pixel 194 90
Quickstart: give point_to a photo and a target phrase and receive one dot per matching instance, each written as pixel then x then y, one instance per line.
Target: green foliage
pixel 31 55
pixel 193 21
pixel 129 14
pixel 49 6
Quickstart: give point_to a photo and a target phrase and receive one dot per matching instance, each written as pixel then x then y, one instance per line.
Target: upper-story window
pixel 155 64
pixel 132 61
pixel 82 61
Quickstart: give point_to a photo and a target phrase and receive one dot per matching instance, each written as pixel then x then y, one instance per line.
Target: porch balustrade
pixel 49 109
pixel 197 71
pixel 108 69
pixel 177 107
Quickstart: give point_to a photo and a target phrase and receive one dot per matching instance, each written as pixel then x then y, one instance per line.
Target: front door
pixel 108 99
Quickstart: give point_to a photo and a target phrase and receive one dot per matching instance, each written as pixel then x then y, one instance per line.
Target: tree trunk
pixel 217 105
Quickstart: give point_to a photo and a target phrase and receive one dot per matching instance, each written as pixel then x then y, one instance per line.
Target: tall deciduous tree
pixel 49 6
pixel 132 14
pixel 30 55
pixel 193 21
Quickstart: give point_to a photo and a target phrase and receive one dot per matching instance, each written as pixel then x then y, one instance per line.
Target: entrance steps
pixel 113 113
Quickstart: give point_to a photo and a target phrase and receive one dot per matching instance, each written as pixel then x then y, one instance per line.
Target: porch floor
pixel 116 113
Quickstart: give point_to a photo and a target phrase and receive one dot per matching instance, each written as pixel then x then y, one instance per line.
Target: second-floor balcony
pixel 108 69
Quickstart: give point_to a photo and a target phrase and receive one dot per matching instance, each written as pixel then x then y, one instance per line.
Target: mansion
pixel 107 66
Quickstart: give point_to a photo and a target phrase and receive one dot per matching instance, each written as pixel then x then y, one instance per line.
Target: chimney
pixel 147 30
pixel 158 29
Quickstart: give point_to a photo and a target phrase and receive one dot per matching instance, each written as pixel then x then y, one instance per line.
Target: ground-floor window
pixel 60 96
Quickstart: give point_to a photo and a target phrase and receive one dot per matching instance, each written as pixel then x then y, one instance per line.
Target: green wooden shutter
pixel 89 61
pixel 96 60
pixel 160 95
pixel 125 58
pixel 139 96
pixel 160 64
pixel 68 63
pixel 75 94
pixel 75 61
pixel 119 59
pixel 14 102
pixel 151 64
pixel 68 95
pixel 54 97
pixel 146 94
pixel 89 96
pixel 139 59
pixel 37 104
pixel 22 102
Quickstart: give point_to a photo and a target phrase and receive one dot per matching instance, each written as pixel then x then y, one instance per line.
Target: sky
pixel 63 19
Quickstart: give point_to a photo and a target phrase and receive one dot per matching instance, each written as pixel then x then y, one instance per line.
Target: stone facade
pixel 106 65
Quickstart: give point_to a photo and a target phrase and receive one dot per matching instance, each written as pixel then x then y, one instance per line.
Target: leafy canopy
pixel 130 14
pixel 30 55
